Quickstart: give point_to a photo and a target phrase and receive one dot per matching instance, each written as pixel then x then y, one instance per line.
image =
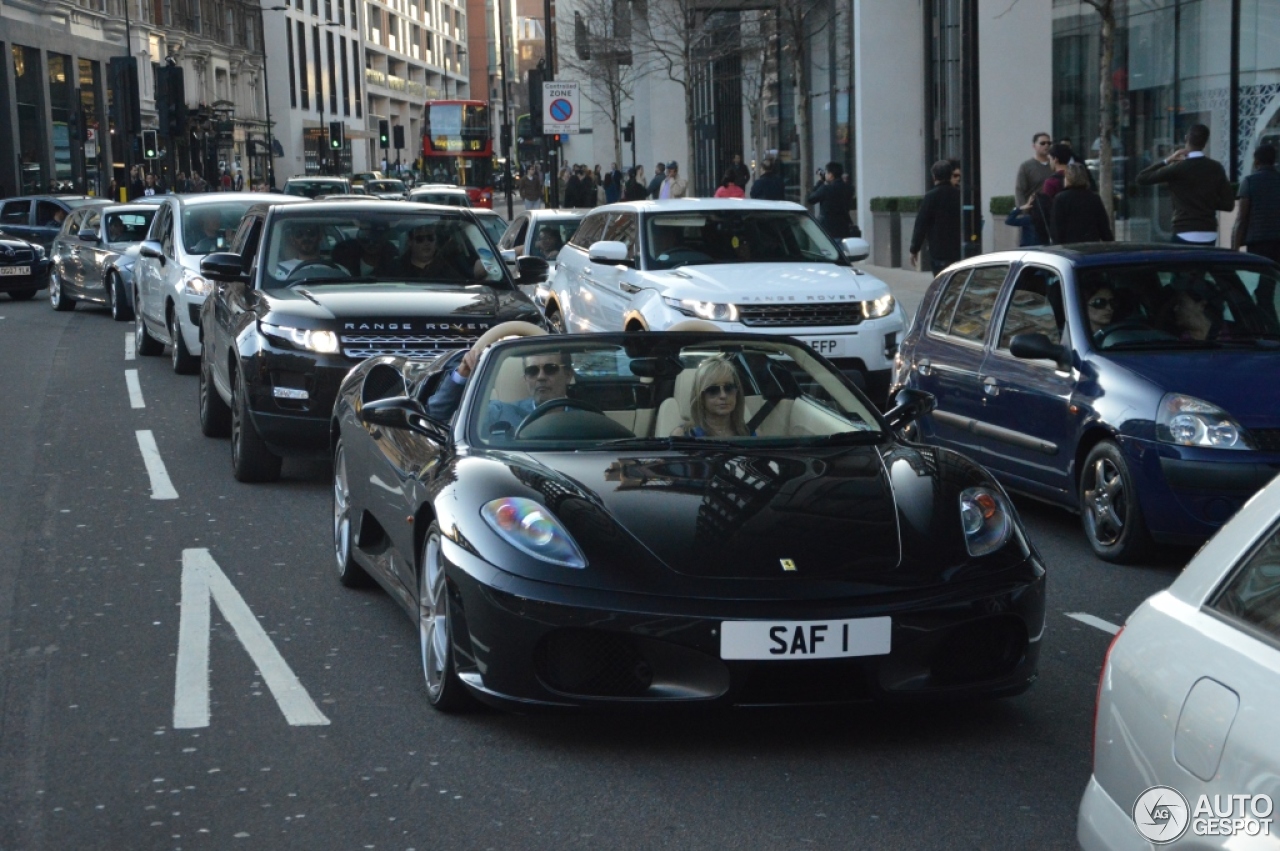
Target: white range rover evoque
pixel 762 266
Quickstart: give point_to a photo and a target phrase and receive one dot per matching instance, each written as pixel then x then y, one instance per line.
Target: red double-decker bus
pixel 457 147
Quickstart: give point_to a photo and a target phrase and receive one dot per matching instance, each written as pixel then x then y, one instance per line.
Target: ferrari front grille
pixel 783 315
pixel 361 346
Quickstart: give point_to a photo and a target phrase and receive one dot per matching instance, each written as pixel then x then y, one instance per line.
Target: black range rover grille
pixel 781 315
pixel 361 346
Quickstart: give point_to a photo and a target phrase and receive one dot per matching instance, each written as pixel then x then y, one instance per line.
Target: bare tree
pixel 757 69
pixel 679 38
pixel 1106 102
pixel 601 56
pixel 799 22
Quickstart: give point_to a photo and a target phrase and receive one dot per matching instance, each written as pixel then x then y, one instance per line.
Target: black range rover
pixel 310 290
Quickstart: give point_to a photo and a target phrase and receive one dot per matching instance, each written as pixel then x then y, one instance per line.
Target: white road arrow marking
pixel 161 484
pixel 204 582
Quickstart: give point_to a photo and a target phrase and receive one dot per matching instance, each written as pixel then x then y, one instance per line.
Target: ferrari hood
pixel 769 283
pixel 763 515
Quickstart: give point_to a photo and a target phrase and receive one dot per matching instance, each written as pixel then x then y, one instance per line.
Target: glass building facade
pixel 1177 63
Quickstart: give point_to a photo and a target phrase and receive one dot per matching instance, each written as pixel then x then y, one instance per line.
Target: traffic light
pixel 336 135
pixel 384 134
pixel 629 131
pixel 123 78
pixel 399 137
pixel 150 148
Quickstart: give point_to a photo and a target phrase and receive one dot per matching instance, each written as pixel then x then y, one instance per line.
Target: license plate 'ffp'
pixel 805 639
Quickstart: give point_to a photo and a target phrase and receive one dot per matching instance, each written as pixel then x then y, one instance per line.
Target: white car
pixel 748 266
pixel 168 286
pixel 1187 731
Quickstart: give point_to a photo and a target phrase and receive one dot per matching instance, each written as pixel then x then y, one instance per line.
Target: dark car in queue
pixel 1138 385
pixel 91 256
pixel 39 218
pixel 580 551
pixel 311 290
pixel 24 268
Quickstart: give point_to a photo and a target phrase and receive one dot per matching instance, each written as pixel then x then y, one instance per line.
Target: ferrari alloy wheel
pixel 251 460
pixel 143 342
pixel 215 414
pixel 120 311
pixel 184 363
pixel 350 574
pixel 444 689
pixel 1109 506
pixel 58 297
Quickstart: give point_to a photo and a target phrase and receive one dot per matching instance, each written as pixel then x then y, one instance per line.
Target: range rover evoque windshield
pixel 672 240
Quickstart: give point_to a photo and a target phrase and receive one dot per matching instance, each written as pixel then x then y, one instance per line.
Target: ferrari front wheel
pixel 444 689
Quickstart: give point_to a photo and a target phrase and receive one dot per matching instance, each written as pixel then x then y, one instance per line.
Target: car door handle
pixel 991 386
pixel 628 288
pixel 924 367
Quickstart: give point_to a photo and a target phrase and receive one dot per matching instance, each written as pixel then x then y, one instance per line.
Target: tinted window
pixel 514 234
pixel 92 220
pixel 211 227
pixel 735 236
pixel 622 228
pixel 947 302
pixel 1252 595
pixel 1035 307
pixel 129 227
pixel 15 213
pixel 49 213
pixel 973 311
pixel 590 231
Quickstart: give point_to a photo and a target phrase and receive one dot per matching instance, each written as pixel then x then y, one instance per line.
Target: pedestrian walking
pixel 634 189
pixel 1199 187
pixel 768 185
pixel 659 175
pixel 834 198
pixel 1078 213
pixel 1033 172
pixel 1258 217
pixel 741 174
pixel 938 221
pixel 573 188
pixel 1059 158
pixel 531 189
pixel 729 187
pixel 674 186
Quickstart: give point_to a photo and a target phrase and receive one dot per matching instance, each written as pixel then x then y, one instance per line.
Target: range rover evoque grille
pixel 780 315
pixel 361 346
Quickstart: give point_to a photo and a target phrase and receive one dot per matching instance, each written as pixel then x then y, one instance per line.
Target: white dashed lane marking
pixel 129 352
pixel 135 389
pixel 1095 622
pixel 161 486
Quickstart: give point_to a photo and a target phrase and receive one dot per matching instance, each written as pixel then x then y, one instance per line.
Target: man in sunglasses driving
pixel 546 376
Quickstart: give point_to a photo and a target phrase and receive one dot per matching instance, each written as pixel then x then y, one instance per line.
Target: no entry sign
pixel 560 107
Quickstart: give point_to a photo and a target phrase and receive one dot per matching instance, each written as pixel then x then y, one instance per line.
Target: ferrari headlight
pixel 986 520
pixel 530 527
pixel 323 342
pixel 704 309
pixel 877 308
pixel 1188 421
pixel 196 285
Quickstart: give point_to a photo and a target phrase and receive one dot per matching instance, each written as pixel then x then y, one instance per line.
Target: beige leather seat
pixel 674 411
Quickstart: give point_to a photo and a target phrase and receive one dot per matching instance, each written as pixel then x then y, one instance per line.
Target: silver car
pixel 1187 726
pixel 94 254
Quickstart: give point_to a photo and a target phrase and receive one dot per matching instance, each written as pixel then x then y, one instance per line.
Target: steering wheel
pixel 553 405
pixel 1127 325
pixel 324 264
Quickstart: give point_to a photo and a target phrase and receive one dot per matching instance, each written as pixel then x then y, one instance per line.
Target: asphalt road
pixel 96 690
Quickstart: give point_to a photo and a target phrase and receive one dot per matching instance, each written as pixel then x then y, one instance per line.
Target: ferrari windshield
pixel 662 390
pixel 1180 305
pixel 672 240
pixel 334 246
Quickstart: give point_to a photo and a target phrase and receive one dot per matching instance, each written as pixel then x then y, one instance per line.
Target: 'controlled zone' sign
pixel 560 108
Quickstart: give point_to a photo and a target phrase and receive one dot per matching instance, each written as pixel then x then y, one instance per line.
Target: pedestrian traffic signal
pixel 399 137
pixel 150 146
pixel 384 134
pixel 336 135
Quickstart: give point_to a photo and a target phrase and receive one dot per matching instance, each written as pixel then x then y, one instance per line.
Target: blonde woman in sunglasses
pixel 716 407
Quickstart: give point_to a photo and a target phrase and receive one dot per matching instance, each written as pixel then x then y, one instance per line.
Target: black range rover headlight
pixel 322 342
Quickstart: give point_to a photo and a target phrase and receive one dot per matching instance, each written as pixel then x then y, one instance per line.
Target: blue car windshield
pixel 1180 305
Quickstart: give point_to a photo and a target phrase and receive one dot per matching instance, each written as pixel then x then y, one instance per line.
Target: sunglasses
pixel 547 369
pixel 718 389
pixel 425 237
pixel 1101 303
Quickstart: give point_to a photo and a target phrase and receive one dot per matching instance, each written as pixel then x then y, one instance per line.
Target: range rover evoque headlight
pixel 877 308
pixel 986 520
pixel 1188 421
pixel 323 342
pixel 531 528
pixel 703 309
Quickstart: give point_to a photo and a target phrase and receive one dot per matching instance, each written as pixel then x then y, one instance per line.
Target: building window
pixel 319 78
pixel 355 77
pixel 293 86
pixel 333 81
pixel 304 77
pixel 346 81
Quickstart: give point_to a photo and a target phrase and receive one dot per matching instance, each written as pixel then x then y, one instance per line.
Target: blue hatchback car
pixel 1138 385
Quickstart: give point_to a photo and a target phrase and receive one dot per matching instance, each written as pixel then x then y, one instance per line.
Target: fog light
pixel 289 393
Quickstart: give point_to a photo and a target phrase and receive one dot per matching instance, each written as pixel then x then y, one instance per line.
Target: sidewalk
pixel 907 285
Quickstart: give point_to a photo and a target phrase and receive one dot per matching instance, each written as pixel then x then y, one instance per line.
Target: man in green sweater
pixel 1199 185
